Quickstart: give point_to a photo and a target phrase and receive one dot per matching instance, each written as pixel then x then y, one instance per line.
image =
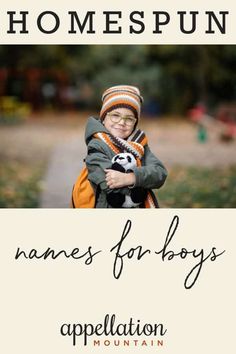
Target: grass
pixel 19 185
pixel 199 188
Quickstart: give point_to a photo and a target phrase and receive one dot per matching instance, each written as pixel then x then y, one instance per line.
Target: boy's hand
pixel 116 179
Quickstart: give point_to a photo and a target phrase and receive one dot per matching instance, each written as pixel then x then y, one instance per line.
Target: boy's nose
pixel 122 121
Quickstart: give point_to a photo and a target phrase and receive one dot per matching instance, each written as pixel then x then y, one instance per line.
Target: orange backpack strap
pixel 151 201
pixel 83 195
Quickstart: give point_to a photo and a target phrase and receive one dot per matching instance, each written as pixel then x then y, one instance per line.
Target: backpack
pixel 83 195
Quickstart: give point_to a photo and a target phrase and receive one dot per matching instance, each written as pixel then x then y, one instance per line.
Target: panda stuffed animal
pixel 125 162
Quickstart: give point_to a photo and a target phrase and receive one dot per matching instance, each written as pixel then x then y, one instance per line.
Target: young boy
pixel 115 132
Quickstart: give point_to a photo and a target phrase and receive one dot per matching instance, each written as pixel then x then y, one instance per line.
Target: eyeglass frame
pixel 110 114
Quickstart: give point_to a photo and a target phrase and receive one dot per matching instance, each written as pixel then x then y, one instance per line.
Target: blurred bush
pixel 12 111
pixel 19 185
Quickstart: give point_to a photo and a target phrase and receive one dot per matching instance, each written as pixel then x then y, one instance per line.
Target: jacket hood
pixel 94 125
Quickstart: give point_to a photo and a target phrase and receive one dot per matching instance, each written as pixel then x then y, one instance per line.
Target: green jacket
pixel 151 174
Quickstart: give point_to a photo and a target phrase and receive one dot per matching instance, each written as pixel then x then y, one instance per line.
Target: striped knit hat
pixel 121 96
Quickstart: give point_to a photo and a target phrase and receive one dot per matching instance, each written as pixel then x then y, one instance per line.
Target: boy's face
pixel 125 125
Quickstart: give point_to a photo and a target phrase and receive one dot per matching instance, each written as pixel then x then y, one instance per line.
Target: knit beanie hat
pixel 121 96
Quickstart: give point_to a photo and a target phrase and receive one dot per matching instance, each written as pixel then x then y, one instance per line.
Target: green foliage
pixel 199 188
pixel 105 66
pixel 19 185
pixel 12 111
pixel 177 76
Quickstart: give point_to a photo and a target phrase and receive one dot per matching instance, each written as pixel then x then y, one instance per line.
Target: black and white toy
pixel 125 162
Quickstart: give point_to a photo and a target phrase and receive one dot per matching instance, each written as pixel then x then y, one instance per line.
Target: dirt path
pixel 64 165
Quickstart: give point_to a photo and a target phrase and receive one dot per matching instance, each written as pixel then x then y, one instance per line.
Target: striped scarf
pixel 134 145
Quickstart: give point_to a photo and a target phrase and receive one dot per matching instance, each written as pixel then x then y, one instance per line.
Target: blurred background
pixel 189 115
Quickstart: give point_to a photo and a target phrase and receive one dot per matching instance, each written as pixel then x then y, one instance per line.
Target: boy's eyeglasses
pixel 116 118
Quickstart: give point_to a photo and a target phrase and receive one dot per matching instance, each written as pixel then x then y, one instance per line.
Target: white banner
pixel 117 22
pixel 104 280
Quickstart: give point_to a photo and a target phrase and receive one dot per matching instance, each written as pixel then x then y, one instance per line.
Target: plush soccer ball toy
pixel 125 162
